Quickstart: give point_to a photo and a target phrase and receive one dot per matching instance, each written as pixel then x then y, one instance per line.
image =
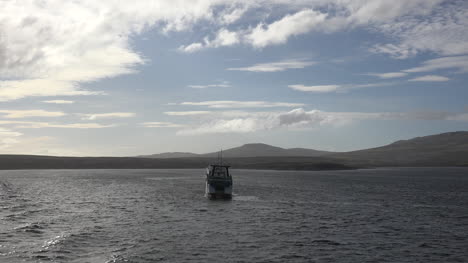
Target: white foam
pixel 245 198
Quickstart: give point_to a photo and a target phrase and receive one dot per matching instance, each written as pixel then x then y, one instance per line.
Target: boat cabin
pixel 216 171
pixel 218 182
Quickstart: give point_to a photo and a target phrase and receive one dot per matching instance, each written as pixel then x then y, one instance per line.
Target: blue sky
pixel 118 78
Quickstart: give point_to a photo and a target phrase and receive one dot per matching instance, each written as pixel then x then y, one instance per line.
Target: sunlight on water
pixel 393 215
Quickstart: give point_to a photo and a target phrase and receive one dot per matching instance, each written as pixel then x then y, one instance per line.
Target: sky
pixel 126 78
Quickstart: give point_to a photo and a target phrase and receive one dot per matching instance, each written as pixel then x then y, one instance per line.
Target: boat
pixel 218 181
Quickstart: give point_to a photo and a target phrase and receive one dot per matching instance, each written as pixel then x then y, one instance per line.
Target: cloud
pixel 17 89
pixel 223 38
pixel 408 27
pixel 58 101
pixel 48 53
pixel 39 125
pixel 221 85
pixel 224 126
pixel 241 104
pixel 159 124
pixel 186 113
pixel 457 62
pixel 191 48
pixel 441 27
pixel 276 66
pixel 110 115
pixel 8 138
pixel 462 117
pixel 15 114
pixel 262 35
pixel 8 133
pixel 224 113
pixel 389 75
pixel 46 145
pixel 232 14
pixel 302 119
pixel 430 78
pixel 336 88
pixel 318 89
pixel 399 51
pixel 280 31
pixel 297 118
pixel 258 121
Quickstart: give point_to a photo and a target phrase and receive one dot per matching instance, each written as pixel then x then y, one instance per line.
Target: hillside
pixel 170 155
pixel 446 149
pixel 435 150
pixel 12 162
pixel 246 150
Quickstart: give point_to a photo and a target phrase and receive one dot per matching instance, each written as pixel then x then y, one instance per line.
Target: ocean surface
pixel 378 215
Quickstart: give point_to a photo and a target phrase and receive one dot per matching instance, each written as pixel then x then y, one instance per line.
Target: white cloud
pixel 72 125
pixel 59 101
pixel 110 115
pixel 8 133
pixel 223 38
pixel 460 63
pixel 222 85
pixel 302 119
pixel 48 53
pixel 457 62
pixel 39 125
pixel 86 41
pixel 276 66
pixel 430 78
pixel 17 89
pixel 186 113
pixel 160 124
pixel 297 118
pixel 318 89
pixel 411 27
pixel 8 138
pixel 336 88
pixel 224 113
pixel 280 31
pixel 241 104
pixel 233 14
pixel 224 126
pixel 14 114
pixel 389 75
pixel 191 48
pixel 399 51
pixel 441 29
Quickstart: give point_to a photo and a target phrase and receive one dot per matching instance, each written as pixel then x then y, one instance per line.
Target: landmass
pixel 446 149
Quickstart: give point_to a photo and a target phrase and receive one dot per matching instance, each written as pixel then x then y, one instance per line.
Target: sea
pixel 369 215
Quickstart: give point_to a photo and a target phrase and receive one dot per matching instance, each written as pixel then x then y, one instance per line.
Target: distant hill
pixel 446 149
pixel 13 162
pixel 435 150
pixel 171 155
pixel 265 150
pixel 247 150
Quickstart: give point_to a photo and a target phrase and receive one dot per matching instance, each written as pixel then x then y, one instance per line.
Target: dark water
pixel 384 215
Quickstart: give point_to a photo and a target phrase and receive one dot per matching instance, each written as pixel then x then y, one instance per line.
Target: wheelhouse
pixel 218 172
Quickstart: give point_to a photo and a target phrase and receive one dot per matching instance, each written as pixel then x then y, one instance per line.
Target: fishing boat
pixel 218 181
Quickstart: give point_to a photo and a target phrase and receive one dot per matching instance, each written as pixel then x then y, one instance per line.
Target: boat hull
pixel 213 192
